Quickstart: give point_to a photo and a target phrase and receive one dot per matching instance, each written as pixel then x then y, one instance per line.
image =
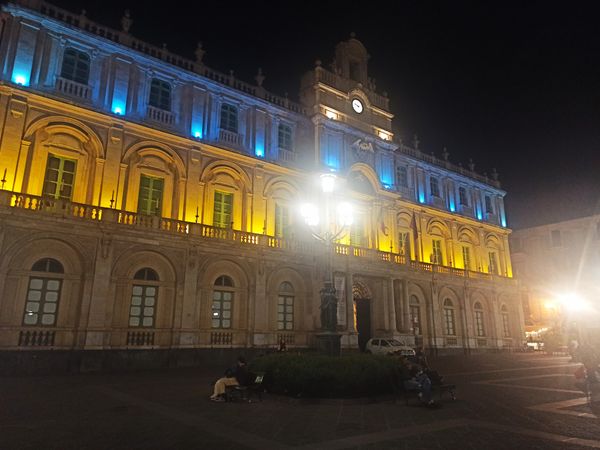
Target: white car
pixel 378 346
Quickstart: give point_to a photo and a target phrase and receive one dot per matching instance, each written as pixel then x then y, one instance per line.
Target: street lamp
pixel 332 228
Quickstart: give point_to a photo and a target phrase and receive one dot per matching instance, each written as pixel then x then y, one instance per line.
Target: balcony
pixel 73 89
pixel 287 156
pixel 30 204
pixel 160 115
pixel 230 138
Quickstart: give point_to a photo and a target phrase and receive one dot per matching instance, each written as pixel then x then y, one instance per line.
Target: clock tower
pixel 352 121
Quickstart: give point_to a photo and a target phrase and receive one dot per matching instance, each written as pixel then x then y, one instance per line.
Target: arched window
pixel 160 94
pixel 505 322
pixel 222 304
pixel 142 312
pixel 449 322
pixel 229 118
pixel 75 66
pixel 285 307
pixel 415 315
pixel 285 137
pixel 43 293
pixel 479 324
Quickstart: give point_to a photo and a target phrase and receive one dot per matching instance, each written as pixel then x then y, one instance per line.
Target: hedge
pixel 315 375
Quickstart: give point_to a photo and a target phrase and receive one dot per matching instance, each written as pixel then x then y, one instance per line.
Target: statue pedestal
pixel 329 343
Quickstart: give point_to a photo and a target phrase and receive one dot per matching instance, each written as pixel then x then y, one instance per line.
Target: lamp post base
pixel 329 343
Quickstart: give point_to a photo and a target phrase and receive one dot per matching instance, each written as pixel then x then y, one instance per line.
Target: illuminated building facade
pixel 558 267
pixel 150 202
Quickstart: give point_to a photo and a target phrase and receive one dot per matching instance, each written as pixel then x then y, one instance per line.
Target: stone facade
pixel 149 202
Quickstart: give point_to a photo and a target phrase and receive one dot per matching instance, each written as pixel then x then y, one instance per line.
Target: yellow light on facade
pixel 330 114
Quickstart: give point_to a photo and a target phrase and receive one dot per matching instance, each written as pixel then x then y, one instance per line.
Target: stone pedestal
pixel 329 343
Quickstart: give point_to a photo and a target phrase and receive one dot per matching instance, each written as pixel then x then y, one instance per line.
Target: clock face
pixel 357 106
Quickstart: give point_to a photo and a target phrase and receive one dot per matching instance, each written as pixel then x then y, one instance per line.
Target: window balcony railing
pixel 160 115
pixel 73 89
pixel 287 155
pixel 77 211
pixel 231 138
pixel 37 338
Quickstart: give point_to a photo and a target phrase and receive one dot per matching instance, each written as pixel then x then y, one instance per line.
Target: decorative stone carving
pixel 199 53
pixel 126 21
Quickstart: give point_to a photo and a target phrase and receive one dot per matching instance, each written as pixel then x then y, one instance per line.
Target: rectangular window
pixel 160 94
pixel 285 312
pixel 222 213
pixel 434 186
pixel 462 196
pixel 404 243
pixel 357 233
pixel 282 221
pixel 415 320
pixel 60 178
pixel 221 309
pixel 143 306
pixel 75 66
pixel 229 118
pixel 479 323
pixel 402 176
pixel 449 321
pixel 436 257
pixel 42 301
pixel 151 195
pixel 488 205
pixel 285 137
pixel 493 268
pixel 466 251
pixel 556 238
pixel 505 326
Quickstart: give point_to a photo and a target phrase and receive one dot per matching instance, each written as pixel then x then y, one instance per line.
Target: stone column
pixel 406 307
pixel 392 307
pixel 351 326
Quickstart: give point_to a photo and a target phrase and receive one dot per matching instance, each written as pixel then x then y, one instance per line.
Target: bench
pixel 244 393
pixel 438 389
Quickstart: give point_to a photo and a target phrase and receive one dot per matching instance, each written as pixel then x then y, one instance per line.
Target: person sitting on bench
pixel 419 381
pixel 235 376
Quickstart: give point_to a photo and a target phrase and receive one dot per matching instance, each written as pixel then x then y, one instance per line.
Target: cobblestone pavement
pixel 518 401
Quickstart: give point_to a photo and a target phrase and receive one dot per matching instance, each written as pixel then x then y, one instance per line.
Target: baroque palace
pixel 148 202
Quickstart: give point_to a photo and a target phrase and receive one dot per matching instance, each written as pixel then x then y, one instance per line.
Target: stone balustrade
pixel 77 211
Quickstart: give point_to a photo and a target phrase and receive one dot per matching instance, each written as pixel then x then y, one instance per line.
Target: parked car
pixel 379 346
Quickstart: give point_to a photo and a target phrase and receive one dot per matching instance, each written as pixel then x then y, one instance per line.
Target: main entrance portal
pixel 362 314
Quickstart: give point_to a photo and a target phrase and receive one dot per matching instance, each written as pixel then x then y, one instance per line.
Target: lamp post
pixel 327 233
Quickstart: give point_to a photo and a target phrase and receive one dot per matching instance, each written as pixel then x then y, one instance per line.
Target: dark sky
pixel 513 85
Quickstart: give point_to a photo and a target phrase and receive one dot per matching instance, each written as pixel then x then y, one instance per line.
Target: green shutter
pixel 223 207
pixel 151 194
pixel 60 177
pixel 282 220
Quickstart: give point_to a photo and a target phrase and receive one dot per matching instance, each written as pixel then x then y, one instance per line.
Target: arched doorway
pixel 362 313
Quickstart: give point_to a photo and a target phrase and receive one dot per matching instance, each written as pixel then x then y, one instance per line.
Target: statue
pixel 328 308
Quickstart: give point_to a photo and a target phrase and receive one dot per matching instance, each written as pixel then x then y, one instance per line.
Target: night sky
pixel 513 85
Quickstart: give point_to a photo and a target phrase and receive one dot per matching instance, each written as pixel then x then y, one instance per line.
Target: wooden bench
pixel 244 393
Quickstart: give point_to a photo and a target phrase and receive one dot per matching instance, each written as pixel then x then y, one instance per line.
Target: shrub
pixel 314 375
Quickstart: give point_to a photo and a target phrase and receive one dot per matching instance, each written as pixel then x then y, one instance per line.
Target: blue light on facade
pixel 197 134
pixel 452 206
pixel 259 151
pixel 421 197
pixel 479 215
pixel 20 78
pixel 504 221
pixel 118 108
